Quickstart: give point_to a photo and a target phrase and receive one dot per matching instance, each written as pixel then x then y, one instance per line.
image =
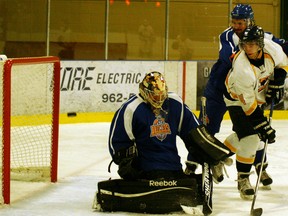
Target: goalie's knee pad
pixel 147 196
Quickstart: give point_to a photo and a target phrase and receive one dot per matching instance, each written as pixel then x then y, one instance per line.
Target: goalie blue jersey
pixel 134 123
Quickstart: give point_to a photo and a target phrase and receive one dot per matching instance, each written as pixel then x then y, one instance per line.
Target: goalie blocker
pixel 148 196
pixel 205 147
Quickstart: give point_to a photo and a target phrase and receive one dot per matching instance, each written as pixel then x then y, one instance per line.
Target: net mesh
pixel 31 122
pixel 31 111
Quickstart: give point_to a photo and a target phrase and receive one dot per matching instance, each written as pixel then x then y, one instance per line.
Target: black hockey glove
pixel 127 159
pixel 128 169
pixel 265 131
pixel 262 126
pixel 276 87
pixel 275 91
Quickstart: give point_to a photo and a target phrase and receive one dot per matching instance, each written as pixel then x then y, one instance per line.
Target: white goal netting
pixel 28 129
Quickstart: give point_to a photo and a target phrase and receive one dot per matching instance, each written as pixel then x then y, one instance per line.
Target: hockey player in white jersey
pixel 242 16
pixel 257 76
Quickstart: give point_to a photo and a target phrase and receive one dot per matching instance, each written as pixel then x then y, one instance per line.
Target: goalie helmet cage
pixel 30 91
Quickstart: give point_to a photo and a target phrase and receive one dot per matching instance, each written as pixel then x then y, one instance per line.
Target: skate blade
pixel 266 187
pixel 246 197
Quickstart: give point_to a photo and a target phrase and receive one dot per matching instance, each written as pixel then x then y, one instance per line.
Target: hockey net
pixel 29 91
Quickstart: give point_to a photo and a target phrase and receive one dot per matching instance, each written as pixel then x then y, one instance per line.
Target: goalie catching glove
pixel 262 126
pixel 204 147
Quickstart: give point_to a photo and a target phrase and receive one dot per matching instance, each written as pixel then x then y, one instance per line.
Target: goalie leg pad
pixel 148 196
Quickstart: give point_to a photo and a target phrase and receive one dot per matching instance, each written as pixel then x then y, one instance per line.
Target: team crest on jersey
pixel 160 128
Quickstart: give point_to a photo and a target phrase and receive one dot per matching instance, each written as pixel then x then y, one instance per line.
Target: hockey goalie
pixel 142 142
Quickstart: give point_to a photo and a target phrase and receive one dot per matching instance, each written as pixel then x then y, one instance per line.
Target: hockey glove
pixel 127 159
pixel 276 87
pixel 275 91
pixel 265 131
pixel 128 169
pixel 262 126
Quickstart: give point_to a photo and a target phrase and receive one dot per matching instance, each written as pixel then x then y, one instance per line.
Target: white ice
pixel 83 161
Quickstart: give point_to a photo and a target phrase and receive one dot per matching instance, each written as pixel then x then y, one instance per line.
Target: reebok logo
pixel 162 183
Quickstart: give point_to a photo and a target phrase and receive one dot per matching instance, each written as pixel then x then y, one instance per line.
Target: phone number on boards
pixel 115 98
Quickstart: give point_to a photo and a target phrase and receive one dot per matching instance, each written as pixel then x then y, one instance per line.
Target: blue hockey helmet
pixel 242 11
pixel 153 89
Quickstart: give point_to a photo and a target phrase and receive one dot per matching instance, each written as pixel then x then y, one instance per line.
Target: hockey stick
pixel 207 183
pixel 259 211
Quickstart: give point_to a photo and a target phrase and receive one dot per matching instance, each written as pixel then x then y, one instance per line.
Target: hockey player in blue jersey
pixel 242 17
pixel 142 142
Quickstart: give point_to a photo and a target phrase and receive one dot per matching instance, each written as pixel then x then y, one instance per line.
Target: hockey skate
pixel 191 167
pixel 265 178
pixel 244 186
pixel 217 170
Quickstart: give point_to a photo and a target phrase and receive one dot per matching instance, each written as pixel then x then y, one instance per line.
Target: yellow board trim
pixel 107 116
pixel 70 118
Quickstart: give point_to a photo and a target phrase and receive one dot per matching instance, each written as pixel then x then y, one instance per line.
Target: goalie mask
pixel 153 89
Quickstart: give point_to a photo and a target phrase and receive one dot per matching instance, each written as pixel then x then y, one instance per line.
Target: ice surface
pixel 83 161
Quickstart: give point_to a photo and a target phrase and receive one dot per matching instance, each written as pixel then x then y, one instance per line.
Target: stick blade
pixel 256 212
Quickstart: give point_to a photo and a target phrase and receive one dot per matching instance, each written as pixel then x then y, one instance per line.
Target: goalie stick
pixel 207 183
pixel 259 211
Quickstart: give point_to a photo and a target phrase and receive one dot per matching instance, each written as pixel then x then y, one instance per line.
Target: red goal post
pixel 30 91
